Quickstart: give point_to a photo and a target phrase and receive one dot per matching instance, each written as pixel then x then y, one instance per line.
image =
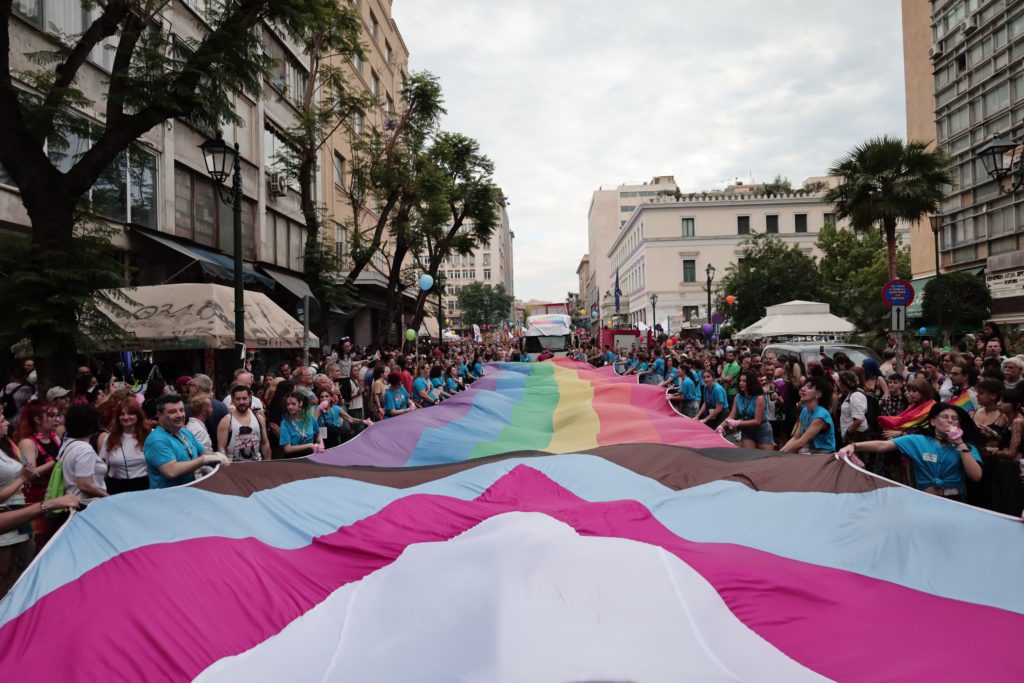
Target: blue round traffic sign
pixel 898 293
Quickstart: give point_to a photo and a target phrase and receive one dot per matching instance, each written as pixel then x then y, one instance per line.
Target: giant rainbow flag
pixel 553 523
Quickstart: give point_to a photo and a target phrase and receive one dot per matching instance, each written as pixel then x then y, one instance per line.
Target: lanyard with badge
pixel 185 444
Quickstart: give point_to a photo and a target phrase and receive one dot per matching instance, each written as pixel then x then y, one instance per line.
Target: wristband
pixel 42 506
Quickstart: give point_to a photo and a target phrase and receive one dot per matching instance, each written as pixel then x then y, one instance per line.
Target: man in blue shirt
pixel 173 454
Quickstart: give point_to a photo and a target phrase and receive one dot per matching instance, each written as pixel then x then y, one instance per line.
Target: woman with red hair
pixel 39 446
pixel 121 449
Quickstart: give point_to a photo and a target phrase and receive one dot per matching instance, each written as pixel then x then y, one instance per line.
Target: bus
pixel 552 331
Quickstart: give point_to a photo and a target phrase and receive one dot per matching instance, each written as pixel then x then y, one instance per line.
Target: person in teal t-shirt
pixel 815 432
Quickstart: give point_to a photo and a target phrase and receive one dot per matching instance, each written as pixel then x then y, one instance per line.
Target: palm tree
pixel 884 181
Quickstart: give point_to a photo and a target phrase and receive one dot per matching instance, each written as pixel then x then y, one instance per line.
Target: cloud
pixel 566 96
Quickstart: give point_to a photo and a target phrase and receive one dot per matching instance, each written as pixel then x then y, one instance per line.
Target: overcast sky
pixel 567 95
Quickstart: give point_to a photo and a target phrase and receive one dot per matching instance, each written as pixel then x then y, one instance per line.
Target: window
pixel 743 225
pixel 688 230
pixel 487 273
pixel 374 26
pixel 800 222
pixel 374 83
pixel 357 124
pixel 829 219
pixel 289 241
pixel 771 224
pixel 357 64
pixel 200 215
pixel 689 270
pixel 389 105
pixel 53 15
pixel 389 55
pixel 287 76
pixel 691 312
pixel 487 259
pixel 339 170
pixel 242 132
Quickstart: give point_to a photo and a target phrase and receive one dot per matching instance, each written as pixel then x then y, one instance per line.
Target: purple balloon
pixel 707 329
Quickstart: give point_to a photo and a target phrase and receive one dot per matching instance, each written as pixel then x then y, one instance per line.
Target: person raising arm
pixel 815 430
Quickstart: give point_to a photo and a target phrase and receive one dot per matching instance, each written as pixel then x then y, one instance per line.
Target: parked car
pixel 811 351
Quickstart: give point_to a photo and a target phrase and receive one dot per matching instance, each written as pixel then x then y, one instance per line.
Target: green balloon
pixel 410 334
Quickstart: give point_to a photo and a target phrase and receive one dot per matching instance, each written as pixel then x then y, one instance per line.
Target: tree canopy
pixel 956 299
pixel 768 273
pixel 483 304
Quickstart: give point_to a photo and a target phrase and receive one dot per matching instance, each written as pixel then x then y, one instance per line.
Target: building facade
pixel 490 264
pixel 175 226
pixel 666 245
pixel 965 82
pixel 610 208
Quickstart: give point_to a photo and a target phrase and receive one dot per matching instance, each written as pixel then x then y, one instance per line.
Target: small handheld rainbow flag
pixel 912 417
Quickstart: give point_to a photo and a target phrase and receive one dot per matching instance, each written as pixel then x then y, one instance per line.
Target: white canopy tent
pixel 201 316
pixel 797 319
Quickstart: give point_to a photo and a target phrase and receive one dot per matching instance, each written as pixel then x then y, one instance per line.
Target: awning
pixel 293 284
pixel 797 319
pixel 213 263
pixel 915 309
pixel 201 316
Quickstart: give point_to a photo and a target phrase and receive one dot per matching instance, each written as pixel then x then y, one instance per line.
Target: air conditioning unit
pixel 935 51
pixel 970 25
pixel 276 185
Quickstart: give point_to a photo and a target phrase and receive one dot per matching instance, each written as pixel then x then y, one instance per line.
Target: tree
pixel 781 185
pixel 885 181
pixel 853 271
pixel 153 78
pixel 768 273
pixel 484 305
pixel 470 200
pixel 956 299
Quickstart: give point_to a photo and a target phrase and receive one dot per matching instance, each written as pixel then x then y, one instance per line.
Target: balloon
pixel 730 299
pixel 608 323
pixel 671 341
pixel 593 315
pixel 707 329
pixel 583 311
pixel 923 331
pixel 426 282
pixel 410 334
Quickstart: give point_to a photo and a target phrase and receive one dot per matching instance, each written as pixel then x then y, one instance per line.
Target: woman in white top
pixel 853 421
pixel 121 450
pixel 84 470
pixel 16 548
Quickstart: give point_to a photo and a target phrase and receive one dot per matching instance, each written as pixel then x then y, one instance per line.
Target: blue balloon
pixel 426 282
pixel 593 315
pixel 923 331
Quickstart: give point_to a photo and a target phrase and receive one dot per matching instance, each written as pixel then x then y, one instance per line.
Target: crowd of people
pixel 947 421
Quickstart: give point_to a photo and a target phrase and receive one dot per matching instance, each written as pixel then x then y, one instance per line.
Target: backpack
pixel 55 488
pixel 873 411
pixel 10 405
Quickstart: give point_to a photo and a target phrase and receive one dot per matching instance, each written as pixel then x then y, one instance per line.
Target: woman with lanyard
pixel 748 414
pixel 944 456
pixel 121 449
pixel 452 383
pixel 39 446
pixel 422 391
pixel 300 434
pixel 815 431
pixel 396 398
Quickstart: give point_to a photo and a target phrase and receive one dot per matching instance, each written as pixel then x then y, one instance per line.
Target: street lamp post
pixel 654 311
pixel 936 222
pixel 222 160
pixel 998 156
pixel 710 272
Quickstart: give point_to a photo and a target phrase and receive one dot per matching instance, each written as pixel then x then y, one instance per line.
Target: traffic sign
pixel 898 293
pixel 899 319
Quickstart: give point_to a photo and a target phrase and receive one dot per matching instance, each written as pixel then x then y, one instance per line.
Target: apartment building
pixel 491 264
pixel 964 70
pixel 610 207
pixel 666 245
pixel 176 228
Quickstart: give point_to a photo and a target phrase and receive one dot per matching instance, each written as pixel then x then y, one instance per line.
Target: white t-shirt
pixel 79 460
pixel 10 469
pixel 855 407
pixel 198 429
pixel 256 405
pixel 126 461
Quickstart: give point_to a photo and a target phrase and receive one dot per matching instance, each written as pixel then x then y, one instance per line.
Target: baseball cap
pixel 56 392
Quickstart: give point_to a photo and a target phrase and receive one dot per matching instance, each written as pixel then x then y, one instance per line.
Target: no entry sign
pixel 897 293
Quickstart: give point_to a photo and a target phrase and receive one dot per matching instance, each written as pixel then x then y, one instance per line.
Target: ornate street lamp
pixel 710 272
pixel 223 160
pixel 998 156
pixel 654 310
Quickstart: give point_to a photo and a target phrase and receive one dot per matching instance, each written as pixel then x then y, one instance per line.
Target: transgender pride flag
pixel 554 523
